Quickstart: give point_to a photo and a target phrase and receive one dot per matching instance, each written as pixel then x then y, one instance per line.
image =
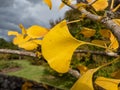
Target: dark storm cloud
pixel 35 1
pixel 27 12
pixel 6 3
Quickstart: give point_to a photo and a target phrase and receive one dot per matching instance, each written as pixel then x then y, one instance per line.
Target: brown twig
pixel 18 52
pixel 104 20
pixel 73 72
pixel 111 54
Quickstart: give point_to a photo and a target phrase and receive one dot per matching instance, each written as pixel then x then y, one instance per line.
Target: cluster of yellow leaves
pixel 96 4
pixel 100 5
pixel 87 32
pixel 29 38
pixel 85 82
pixel 58 46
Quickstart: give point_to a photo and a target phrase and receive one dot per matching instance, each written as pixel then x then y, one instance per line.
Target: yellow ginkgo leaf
pixel 23 29
pixel 39 42
pixel 107 84
pixel 105 33
pixel 100 5
pixel 29 45
pixel 58 46
pixel 20 39
pixel 89 1
pixel 61 5
pixel 13 33
pixel 49 3
pixel 117 21
pixel 116 74
pixel 87 32
pixel 114 43
pixel 108 34
pixel 82 68
pixel 36 31
pixel 100 42
pixel 85 81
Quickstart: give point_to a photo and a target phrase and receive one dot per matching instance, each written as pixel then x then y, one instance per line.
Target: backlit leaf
pixel 13 33
pixel 89 1
pixel 29 45
pixel 23 29
pixel 61 5
pixel 82 68
pixel 36 31
pixel 37 41
pixel 108 34
pixel 100 42
pixel 100 5
pixel 85 81
pixel 58 46
pixel 116 74
pixel 49 3
pixel 87 32
pixel 105 33
pixel 107 84
pixel 114 43
pixel 117 21
pixel 20 39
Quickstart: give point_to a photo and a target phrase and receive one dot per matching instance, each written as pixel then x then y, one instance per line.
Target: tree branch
pixel 104 20
pixel 73 72
pixel 18 52
pixel 111 54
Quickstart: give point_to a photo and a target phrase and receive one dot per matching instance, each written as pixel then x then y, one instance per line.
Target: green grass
pixel 28 71
pixel 5 64
pixel 43 74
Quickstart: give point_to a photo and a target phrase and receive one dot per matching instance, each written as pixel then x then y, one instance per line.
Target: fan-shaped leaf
pixel 82 69
pixel 85 81
pixel 49 3
pixel 23 29
pixel 116 74
pixel 108 34
pixel 87 32
pixel 105 33
pixel 20 39
pixel 36 31
pixel 100 42
pixel 114 43
pixel 107 84
pixel 117 21
pixel 39 42
pixel 13 33
pixel 29 45
pixel 58 46
pixel 100 5
pixel 61 5
pixel 89 1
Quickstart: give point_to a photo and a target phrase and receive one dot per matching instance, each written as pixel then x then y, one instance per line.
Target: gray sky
pixel 27 12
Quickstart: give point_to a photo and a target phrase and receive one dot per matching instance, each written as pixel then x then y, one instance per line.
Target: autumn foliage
pixel 58 45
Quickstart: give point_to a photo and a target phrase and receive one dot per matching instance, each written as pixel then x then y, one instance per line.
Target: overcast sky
pixel 27 12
